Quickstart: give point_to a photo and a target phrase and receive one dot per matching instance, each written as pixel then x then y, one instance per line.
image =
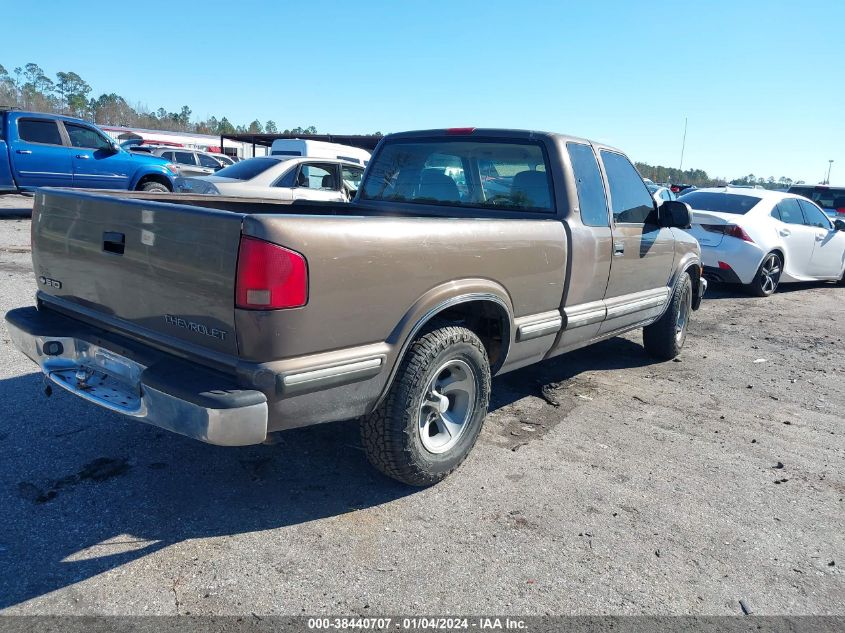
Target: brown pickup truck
pixel 467 253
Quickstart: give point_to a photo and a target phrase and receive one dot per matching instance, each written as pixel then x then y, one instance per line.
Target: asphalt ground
pixel 603 483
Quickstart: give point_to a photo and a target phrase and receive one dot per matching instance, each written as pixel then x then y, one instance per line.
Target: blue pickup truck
pixel 48 150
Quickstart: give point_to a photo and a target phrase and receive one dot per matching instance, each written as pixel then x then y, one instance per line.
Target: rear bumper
pixel 124 376
pixel 743 258
pixel 714 273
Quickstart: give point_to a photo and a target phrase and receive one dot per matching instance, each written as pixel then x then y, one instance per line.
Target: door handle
pixel 24 151
pixel 618 249
pixel 114 242
pixel 785 232
pixel 83 156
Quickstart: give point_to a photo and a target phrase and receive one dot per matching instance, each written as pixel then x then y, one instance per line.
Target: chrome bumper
pixel 116 382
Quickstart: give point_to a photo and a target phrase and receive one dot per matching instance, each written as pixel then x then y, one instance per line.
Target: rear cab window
pixel 44 131
pixel 478 173
pixel 721 202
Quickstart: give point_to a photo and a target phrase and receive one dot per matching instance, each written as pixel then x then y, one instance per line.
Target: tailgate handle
pixel 114 242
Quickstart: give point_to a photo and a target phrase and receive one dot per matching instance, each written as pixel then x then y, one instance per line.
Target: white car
pixel 761 238
pixel 280 178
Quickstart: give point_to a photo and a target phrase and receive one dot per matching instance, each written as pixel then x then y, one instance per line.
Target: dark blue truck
pixel 49 150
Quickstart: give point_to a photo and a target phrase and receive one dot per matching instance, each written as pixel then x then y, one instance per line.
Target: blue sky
pixel 762 83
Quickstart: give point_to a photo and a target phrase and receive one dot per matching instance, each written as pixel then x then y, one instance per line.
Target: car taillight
pixel 269 276
pixel 738 232
pixel 841 210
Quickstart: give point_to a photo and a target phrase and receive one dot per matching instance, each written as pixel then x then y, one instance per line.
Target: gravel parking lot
pixel 602 483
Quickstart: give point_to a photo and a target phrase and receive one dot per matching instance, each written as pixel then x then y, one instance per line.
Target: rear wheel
pixel 155 187
pixel 768 276
pixel 433 413
pixel 665 338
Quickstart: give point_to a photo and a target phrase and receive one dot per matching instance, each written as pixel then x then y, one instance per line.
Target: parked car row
pixel 760 238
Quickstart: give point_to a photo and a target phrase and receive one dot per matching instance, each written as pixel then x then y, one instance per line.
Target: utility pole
pixel 683 145
pixel 829 165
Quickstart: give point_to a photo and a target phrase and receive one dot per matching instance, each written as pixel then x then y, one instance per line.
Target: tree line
pixel 29 88
pixel 700 178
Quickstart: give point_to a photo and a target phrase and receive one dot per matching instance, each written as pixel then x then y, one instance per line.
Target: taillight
pixel 459 131
pixel 269 276
pixel 724 266
pixel 738 232
pixel 841 210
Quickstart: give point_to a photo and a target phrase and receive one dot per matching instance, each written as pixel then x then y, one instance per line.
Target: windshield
pixel 247 169
pixel 721 202
pixel 466 173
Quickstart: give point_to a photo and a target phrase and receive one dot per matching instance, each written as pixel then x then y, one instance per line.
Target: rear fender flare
pixel 434 302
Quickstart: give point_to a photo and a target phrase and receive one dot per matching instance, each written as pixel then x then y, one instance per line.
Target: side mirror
pixel 839 225
pixel 674 214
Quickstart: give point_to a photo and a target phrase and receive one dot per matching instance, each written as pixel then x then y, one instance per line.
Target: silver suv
pixel 189 162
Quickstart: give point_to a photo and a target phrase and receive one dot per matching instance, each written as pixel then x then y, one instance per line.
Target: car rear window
pixel 826 197
pixel 247 169
pixel 721 202
pixel 461 173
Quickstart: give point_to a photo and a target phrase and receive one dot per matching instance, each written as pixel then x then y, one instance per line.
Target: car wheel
pixel 434 410
pixel 665 338
pixel 768 276
pixel 155 187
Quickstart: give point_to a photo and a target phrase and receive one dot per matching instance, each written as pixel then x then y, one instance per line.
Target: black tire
pixel 665 338
pixel 392 434
pixel 155 187
pixel 768 276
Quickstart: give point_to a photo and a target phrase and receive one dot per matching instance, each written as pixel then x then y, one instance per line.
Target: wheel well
pixel 154 178
pixel 782 257
pixel 487 319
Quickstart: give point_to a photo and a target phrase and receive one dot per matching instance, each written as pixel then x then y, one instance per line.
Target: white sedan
pixel 280 178
pixel 761 238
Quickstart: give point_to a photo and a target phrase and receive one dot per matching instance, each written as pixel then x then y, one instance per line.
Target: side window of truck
pixel 81 136
pixel 591 198
pixel 632 203
pixel 42 131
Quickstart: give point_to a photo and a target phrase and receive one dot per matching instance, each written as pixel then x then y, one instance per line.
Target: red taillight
pixel 269 276
pixel 841 210
pixel 460 130
pixel 738 232
pixel 724 266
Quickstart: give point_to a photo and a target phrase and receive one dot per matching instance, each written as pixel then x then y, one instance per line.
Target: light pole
pixel 829 165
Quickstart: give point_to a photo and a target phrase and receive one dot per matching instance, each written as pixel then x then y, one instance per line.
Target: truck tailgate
pixel 161 270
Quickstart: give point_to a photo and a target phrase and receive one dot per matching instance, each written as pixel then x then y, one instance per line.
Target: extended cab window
pixel 466 173
pixel 39 131
pixel 591 197
pixel 81 136
pixel 632 203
